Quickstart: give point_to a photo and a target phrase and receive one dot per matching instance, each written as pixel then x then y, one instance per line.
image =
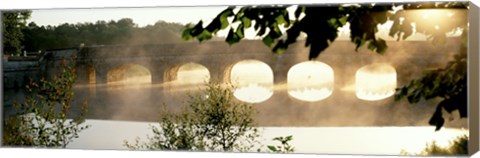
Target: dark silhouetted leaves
pixel 448 83
pixel 437 120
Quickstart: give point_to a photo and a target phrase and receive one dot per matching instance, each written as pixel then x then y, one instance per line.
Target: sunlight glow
pixel 253 79
pixel 436 19
pixel 192 73
pixel 376 81
pixel 310 81
pixel 253 93
pixel 130 74
pixel 92 77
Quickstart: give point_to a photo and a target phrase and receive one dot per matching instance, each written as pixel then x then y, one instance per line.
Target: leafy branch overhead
pixel 320 24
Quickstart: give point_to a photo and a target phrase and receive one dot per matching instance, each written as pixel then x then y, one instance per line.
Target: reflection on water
pixel 132 81
pixel 253 79
pixel 310 81
pixel 144 102
pixel 311 94
pixel 253 93
pixel 376 81
pixel 331 140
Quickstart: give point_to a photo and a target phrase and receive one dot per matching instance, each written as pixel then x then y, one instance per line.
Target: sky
pixel 142 15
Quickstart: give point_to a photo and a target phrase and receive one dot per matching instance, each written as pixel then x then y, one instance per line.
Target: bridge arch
pixel 187 73
pixel 253 79
pixel 129 74
pixel 375 81
pixel 185 76
pixel 310 81
pixel 91 74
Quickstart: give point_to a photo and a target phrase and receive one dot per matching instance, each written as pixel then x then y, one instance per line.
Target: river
pixel 338 123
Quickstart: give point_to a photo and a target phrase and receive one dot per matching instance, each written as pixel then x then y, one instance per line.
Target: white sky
pixel 141 16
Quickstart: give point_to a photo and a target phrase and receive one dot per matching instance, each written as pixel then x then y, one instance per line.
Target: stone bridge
pixel 409 58
pixel 218 58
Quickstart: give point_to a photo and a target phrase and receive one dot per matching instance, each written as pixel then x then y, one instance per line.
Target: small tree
pixel 43 119
pixel 212 120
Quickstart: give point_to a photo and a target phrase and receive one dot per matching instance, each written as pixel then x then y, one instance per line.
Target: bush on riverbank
pixel 43 120
pixel 211 120
pixel 459 146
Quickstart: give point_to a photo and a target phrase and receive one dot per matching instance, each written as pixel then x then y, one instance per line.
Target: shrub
pixel 211 120
pixel 459 146
pixel 43 119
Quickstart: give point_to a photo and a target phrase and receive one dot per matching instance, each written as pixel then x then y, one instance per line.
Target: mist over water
pixel 143 102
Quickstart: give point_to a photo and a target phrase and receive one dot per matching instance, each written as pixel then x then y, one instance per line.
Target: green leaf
pixel 272 148
pixel 288 138
pixel 333 22
pixel 381 46
pixel 232 37
pixel 358 42
pixel 343 20
pixel 205 35
pixel 239 32
pixel 197 29
pixel 267 40
pixel 371 46
pixel 280 19
pixel 224 22
pixel 246 22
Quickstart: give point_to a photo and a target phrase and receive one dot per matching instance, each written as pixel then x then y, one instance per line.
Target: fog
pixel 343 107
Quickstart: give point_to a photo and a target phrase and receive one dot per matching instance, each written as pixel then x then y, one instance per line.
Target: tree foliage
pixel 12 24
pixel 44 119
pixel 211 120
pixel 120 32
pixel 459 146
pixel 321 23
pixel 284 146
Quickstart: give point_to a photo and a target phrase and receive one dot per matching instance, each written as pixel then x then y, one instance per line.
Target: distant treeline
pixel 121 32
